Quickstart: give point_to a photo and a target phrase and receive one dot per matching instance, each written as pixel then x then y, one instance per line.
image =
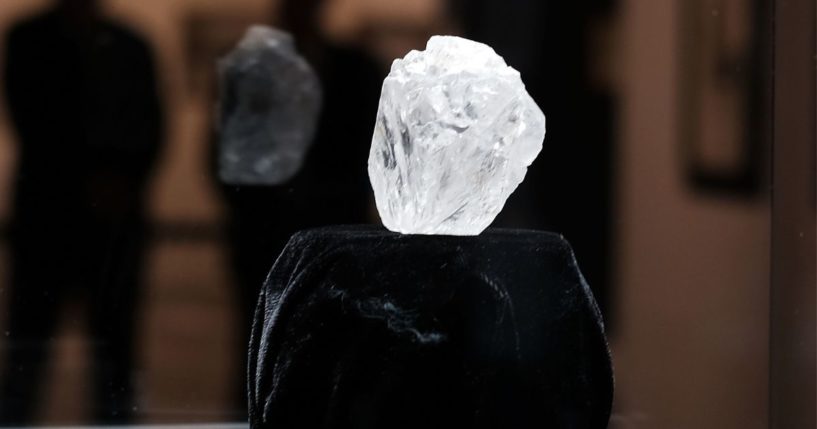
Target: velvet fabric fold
pixel 359 327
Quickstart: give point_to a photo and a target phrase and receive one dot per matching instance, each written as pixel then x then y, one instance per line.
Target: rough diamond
pixel 455 133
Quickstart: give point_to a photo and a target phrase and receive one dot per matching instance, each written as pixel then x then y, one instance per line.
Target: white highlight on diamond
pixel 455 133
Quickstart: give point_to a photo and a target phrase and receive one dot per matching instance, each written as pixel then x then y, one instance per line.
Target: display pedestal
pixel 359 327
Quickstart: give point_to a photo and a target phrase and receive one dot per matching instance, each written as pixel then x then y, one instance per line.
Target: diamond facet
pixel 270 102
pixel 455 133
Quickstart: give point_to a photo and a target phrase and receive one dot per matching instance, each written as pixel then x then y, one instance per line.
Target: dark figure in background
pixel 333 185
pixel 83 101
pixel 568 188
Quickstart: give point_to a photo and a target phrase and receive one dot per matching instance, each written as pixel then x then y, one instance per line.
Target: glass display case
pixel 143 206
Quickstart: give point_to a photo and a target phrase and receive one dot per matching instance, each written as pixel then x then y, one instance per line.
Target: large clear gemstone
pixel 270 103
pixel 455 133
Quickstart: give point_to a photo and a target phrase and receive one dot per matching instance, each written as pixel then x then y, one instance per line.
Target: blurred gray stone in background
pixel 269 108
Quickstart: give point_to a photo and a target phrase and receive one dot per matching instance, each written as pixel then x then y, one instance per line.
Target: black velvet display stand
pixel 359 327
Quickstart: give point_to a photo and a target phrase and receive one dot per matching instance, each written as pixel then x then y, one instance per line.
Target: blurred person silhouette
pixel 82 98
pixel 332 187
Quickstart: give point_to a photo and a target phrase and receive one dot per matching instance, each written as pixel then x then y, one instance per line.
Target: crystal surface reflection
pixel 270 102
